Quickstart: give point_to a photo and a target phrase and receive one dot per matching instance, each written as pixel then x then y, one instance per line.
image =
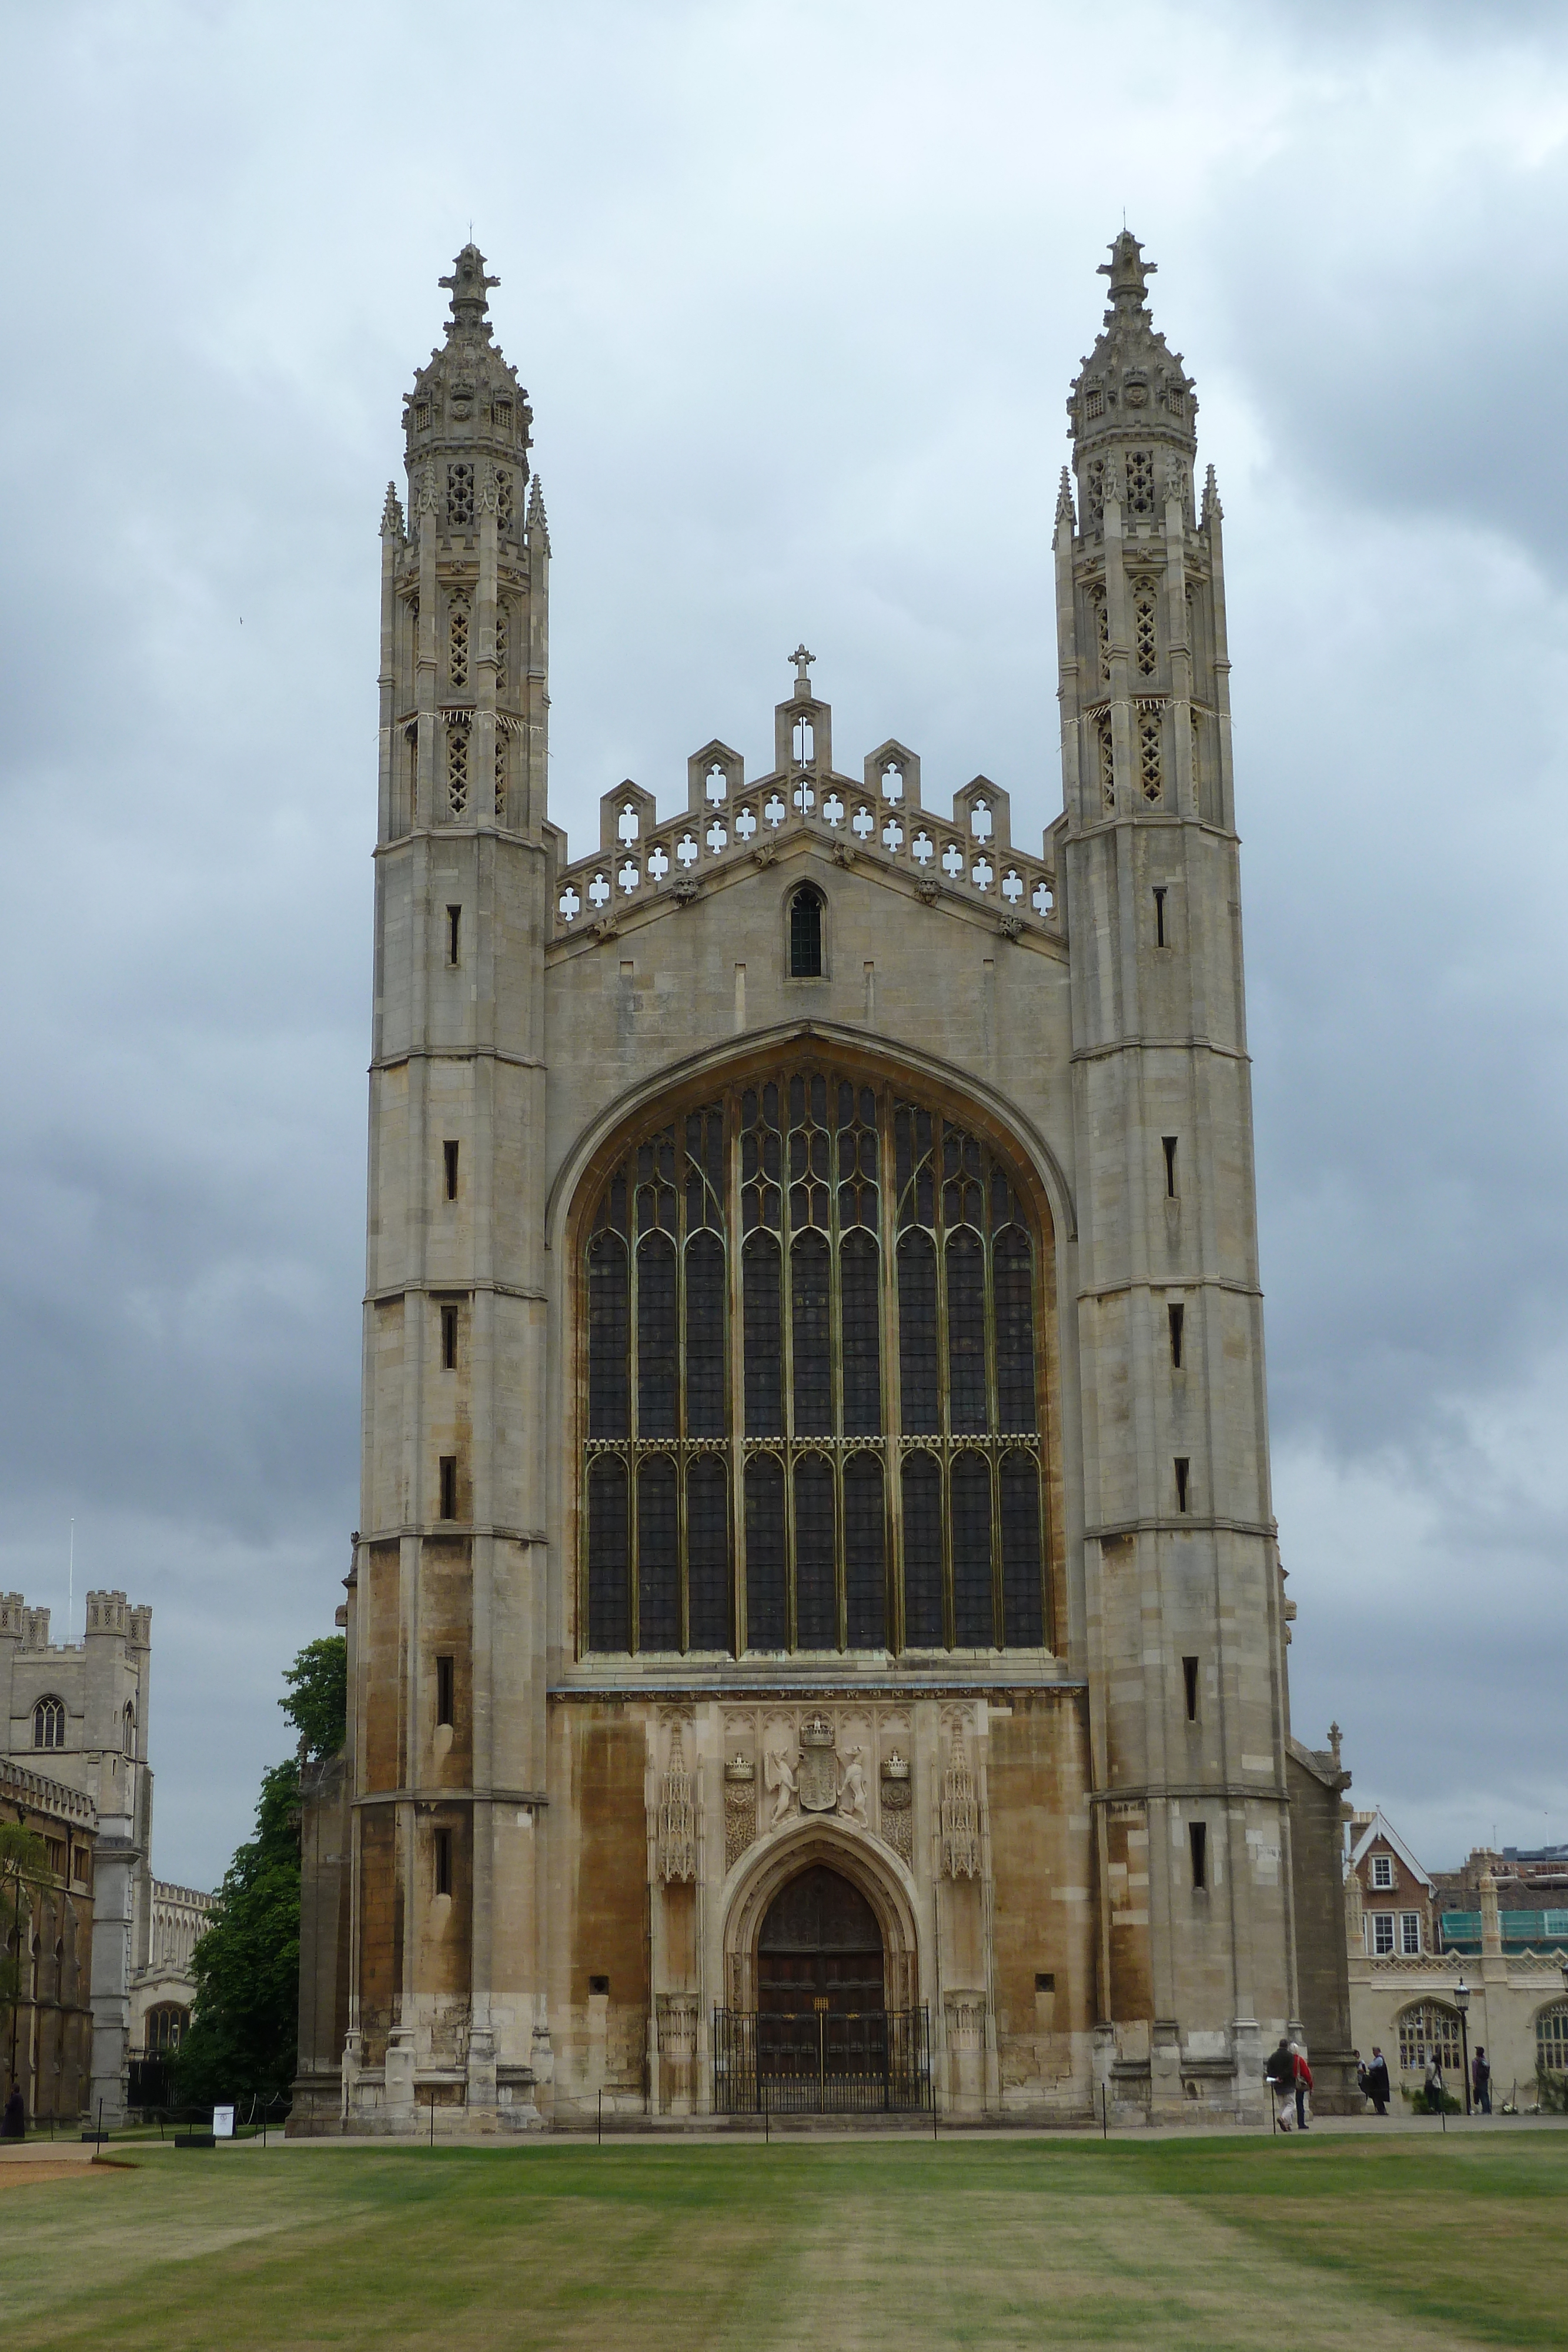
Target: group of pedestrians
pixel 1373 2082
pixel 1289 2078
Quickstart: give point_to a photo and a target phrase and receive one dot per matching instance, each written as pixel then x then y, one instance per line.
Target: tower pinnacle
pixel 1128 272
pixel 470 290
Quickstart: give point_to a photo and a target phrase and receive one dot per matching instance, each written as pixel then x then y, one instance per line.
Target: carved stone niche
pixel 739 1807
pixel 677 2015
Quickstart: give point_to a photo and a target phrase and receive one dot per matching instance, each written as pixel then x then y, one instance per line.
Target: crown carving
pixel 817 1732
pixel 741 1767
pixel 895 1766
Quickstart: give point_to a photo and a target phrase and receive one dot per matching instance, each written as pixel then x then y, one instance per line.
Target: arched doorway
pixel 820 1947
pixel 822 2038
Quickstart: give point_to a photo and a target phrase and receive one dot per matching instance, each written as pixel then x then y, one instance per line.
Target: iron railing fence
pixel 821 2062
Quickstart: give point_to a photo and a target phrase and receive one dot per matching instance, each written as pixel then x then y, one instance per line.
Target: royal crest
pixel 818 1787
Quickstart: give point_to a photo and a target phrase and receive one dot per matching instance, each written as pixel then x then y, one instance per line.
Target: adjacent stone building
pixel 78 1713
pixel 816 1634
pixel 46 2041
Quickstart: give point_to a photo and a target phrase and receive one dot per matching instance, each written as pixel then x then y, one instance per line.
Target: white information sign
pixel 223 2123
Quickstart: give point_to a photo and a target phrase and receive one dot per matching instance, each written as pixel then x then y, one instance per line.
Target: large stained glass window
pixel 814 1415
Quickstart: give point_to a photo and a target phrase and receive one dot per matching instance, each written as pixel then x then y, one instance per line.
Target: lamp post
pixel 1462 2003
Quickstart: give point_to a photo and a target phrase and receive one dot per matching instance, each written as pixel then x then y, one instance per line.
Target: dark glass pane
pixel 809 1324
pixel 658 1585
pixel 966 1331
pixel 819 1109
pixel 861 1310
pixel 805 935
pixel 865 1552
pixel 608 1375
pixel 1012 1279
pixel 707 1553
pixel 816 1584
pixel 658 1395
pixel 765 1621
pixel 1023 1607
pixel 974 1620
pixel 609 1557
pixel 764 1337
pixel 917 1332
pixel 923 1627
pixel 704 1337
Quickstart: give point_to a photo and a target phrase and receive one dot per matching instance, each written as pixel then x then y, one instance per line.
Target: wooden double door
pixel 820 1950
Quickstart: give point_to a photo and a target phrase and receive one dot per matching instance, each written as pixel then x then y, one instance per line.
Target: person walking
pixel 1377 2082
pixel 15 2123
pixel 1302 2082
pixel 1433 2086
pixel 1279 2074
pixel 1481 2082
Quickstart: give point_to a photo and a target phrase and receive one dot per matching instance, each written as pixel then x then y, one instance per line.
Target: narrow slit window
pixel 444 1861
pixel 449 1485
pixel 1190 1676
pixel 1170 1144
pixel 455 931
pixel 1182 1468
pixel 444 1690
pixel 1197 1837
pixel 1159 920
pixel 449 1153
pixel 806 935
pixel 449 1338
pixel 1177 1318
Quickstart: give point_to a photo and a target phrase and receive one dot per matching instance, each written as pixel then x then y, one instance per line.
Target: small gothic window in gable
pixel 1176 400
pixel 715 783
pixel 422 416
pixel 503 416
pixel 1107 765
pixel 806 935
pixel 923 849
pixel 627 824
pixel 1140 481
pixel 457 770
pixel 1095 402
pixel 1145 648
pixel 805 742
pixel 457 645
pixel 893 781
pixel 1149 774
pixel 981 823
pixel 502 498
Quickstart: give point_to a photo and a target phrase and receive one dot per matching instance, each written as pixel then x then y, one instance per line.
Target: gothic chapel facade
pixel 816 1636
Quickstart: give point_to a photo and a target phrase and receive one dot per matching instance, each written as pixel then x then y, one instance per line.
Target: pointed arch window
pixel 49 1723
pixel 811 1337
pixel 806 933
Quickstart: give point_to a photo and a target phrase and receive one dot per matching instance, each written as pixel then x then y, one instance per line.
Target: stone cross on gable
pixel 802 661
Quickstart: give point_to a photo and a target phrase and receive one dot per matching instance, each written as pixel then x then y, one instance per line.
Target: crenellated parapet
pixel 729 827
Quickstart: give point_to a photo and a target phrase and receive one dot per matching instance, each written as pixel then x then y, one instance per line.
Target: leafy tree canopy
pixel 244 2022
pixel 318 1701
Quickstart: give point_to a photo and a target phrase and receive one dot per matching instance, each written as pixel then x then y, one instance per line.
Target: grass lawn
pixel 830 2245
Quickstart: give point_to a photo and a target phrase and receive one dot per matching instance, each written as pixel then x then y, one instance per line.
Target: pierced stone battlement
pixel 728 824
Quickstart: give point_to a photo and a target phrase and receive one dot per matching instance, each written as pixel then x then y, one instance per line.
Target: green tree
pixel 243 2036
pixel 318 1701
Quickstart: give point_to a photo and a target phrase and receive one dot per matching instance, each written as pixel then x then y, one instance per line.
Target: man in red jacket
pixel 1303 2081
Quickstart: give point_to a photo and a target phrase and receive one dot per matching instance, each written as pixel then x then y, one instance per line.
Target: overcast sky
pixel 797 291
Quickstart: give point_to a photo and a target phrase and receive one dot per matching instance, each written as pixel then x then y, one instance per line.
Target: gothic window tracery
pixel 1107 765
pixel 811 1381
pixel 1094 495
pixel 500 776
pixel 1150 775
pixel 1101 612
pixel 457 770
pixel 49 1723
pixel 503 647
pixel 504 492
pixel 457 614
pixel 1145 652
pixel 1140 482
pixel 459 495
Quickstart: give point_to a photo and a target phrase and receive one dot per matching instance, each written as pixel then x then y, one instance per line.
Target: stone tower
pixel 1180 1534
pixel 817 1619
pixel 455 1321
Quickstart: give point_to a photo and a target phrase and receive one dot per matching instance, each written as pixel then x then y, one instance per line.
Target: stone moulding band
pixel 1180 1523
pixel 779 1687
pixel 1267 1792
pixel 533 1798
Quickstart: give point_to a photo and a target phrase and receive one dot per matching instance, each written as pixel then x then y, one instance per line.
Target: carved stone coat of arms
pixel 817 1787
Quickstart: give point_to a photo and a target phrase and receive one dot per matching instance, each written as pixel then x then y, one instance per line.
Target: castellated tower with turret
pixel 816 1629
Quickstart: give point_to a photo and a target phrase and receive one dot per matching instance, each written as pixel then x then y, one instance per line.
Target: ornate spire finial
pixel 470 291
pixel 1128 272
pixel 802 661
pixel 1064 497
pixel 537 520
pixel 392 514
pixel 1211 505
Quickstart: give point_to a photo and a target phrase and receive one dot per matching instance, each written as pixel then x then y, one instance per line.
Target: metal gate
pixel 822 2062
